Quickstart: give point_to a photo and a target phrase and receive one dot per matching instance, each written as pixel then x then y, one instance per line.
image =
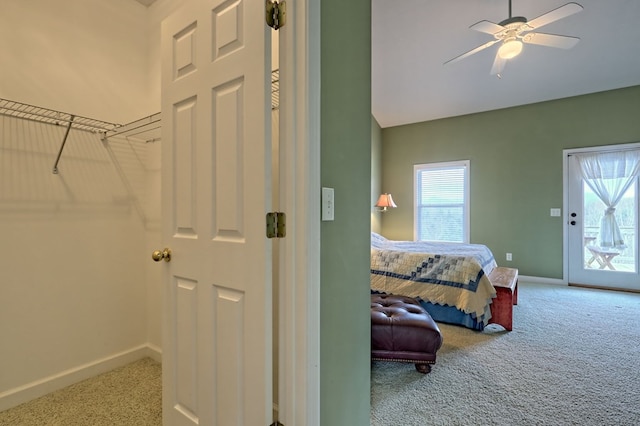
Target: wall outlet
pixel 509 257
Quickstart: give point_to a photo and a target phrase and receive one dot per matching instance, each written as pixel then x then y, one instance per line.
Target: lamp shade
pixel 385 201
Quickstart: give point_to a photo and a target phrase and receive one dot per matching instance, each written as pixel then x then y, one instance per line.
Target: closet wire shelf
pixel 58 118
pixel 70 121
pixel 44 115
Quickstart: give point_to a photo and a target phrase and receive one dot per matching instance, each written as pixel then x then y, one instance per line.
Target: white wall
pixel 87 57
pixel 79 292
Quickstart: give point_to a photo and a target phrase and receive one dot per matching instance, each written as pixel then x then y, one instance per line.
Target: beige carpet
pixel 573 358
pixel 127 396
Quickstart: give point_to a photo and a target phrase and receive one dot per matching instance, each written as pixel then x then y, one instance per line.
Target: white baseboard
pixel 38 388
pixel 154 352
pixel 541 280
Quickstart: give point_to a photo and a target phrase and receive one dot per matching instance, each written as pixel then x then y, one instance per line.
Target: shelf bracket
pixel 66 134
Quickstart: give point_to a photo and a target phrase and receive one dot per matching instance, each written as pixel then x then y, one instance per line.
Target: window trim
pixel 466 164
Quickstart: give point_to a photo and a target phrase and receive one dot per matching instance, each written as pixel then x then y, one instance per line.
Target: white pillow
pixel 377 240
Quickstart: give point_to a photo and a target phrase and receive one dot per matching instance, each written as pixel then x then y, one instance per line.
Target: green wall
pixel 345 242
pixel 516 169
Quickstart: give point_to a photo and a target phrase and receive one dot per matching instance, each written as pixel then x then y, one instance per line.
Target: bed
pixel 450 280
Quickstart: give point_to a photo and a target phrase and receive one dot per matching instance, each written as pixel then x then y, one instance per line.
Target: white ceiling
pixel 411 39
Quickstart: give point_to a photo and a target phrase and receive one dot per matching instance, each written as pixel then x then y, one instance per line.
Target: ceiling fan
pixel 516 30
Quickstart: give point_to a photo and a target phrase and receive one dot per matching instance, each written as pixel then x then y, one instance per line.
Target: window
pixel 441 193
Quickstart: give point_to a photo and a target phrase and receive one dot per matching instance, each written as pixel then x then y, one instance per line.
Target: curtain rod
pixel 606 151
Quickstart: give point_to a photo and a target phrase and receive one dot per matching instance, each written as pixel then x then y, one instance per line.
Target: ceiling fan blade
pixel 472 51
pixel 559 13
pixel 498 66
pixel 551 40
pixel 487 27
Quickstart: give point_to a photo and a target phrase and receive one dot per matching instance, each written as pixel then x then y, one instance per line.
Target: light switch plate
pixel 327 204
pixel 555 212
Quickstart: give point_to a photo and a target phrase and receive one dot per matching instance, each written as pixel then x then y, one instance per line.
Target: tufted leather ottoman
pixel 401 330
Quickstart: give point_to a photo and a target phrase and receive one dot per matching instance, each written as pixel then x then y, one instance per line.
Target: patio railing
pixel 626 259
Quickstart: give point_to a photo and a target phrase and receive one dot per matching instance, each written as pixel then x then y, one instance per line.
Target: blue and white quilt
pixel 448 274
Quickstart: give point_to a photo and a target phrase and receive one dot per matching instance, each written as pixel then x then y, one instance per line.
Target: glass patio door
pixel 593 261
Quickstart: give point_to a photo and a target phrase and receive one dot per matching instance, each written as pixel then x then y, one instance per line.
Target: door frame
pixel 299 317
pixel 565 195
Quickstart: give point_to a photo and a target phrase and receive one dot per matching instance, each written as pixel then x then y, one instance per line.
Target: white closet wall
pixel 87 57
pixel 79 293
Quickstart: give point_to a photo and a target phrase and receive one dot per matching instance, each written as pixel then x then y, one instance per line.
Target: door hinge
pixel 276 13
pixel 276 225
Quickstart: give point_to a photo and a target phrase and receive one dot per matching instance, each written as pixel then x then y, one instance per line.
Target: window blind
pixel 441 198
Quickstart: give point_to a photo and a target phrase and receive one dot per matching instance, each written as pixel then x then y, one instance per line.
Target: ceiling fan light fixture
pixel 510 49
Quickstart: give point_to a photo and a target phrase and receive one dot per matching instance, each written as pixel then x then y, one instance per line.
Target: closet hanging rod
pixel 143 123
pixel 145 131
pixel 44 115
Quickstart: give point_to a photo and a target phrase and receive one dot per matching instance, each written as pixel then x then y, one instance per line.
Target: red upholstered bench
pixel 401 330
pixel 505 281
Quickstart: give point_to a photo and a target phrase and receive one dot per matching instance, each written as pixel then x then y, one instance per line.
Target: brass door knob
pixel 158 255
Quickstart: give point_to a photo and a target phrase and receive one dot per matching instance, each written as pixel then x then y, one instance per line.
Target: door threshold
pixel 599 287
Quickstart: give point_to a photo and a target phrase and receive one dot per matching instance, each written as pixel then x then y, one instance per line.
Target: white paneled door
pixel 217 340
pixel 592 261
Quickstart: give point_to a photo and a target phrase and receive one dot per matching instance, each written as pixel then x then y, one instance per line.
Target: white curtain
pixel 610 175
